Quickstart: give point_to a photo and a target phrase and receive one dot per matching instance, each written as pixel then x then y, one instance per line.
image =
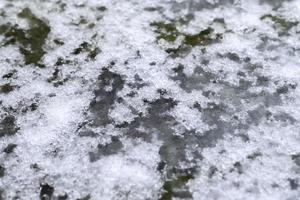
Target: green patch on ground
pixel 87 48
pixel 202 38
pixel 169 32
pixel 30 41
pixel 165 31
pixel 176 188
pixel 279 22
pixel 61 61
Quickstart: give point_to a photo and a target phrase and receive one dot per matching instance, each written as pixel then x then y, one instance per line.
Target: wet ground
pixel 154 99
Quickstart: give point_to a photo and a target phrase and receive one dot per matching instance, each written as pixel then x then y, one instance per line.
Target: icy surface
pixel 153 99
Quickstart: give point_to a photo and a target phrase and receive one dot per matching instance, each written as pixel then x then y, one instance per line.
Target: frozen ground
pixel 152 99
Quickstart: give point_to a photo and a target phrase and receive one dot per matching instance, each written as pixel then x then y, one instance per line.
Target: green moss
pixel 284 24
pixel 178 51
pixel 201 38
pixel 60 61
pixel 93 53
pixel 54 76
pixel 2 13
pixel 171 187
pixel 83 47
pixel 86 47
pixel 174 51
pixel 30 41
pixel 165 31
pixel 12 33
pixel 169 33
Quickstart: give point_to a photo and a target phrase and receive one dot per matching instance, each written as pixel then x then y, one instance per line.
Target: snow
pixel 117 109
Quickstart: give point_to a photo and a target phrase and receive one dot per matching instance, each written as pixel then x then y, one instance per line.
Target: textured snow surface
pixel 152 99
